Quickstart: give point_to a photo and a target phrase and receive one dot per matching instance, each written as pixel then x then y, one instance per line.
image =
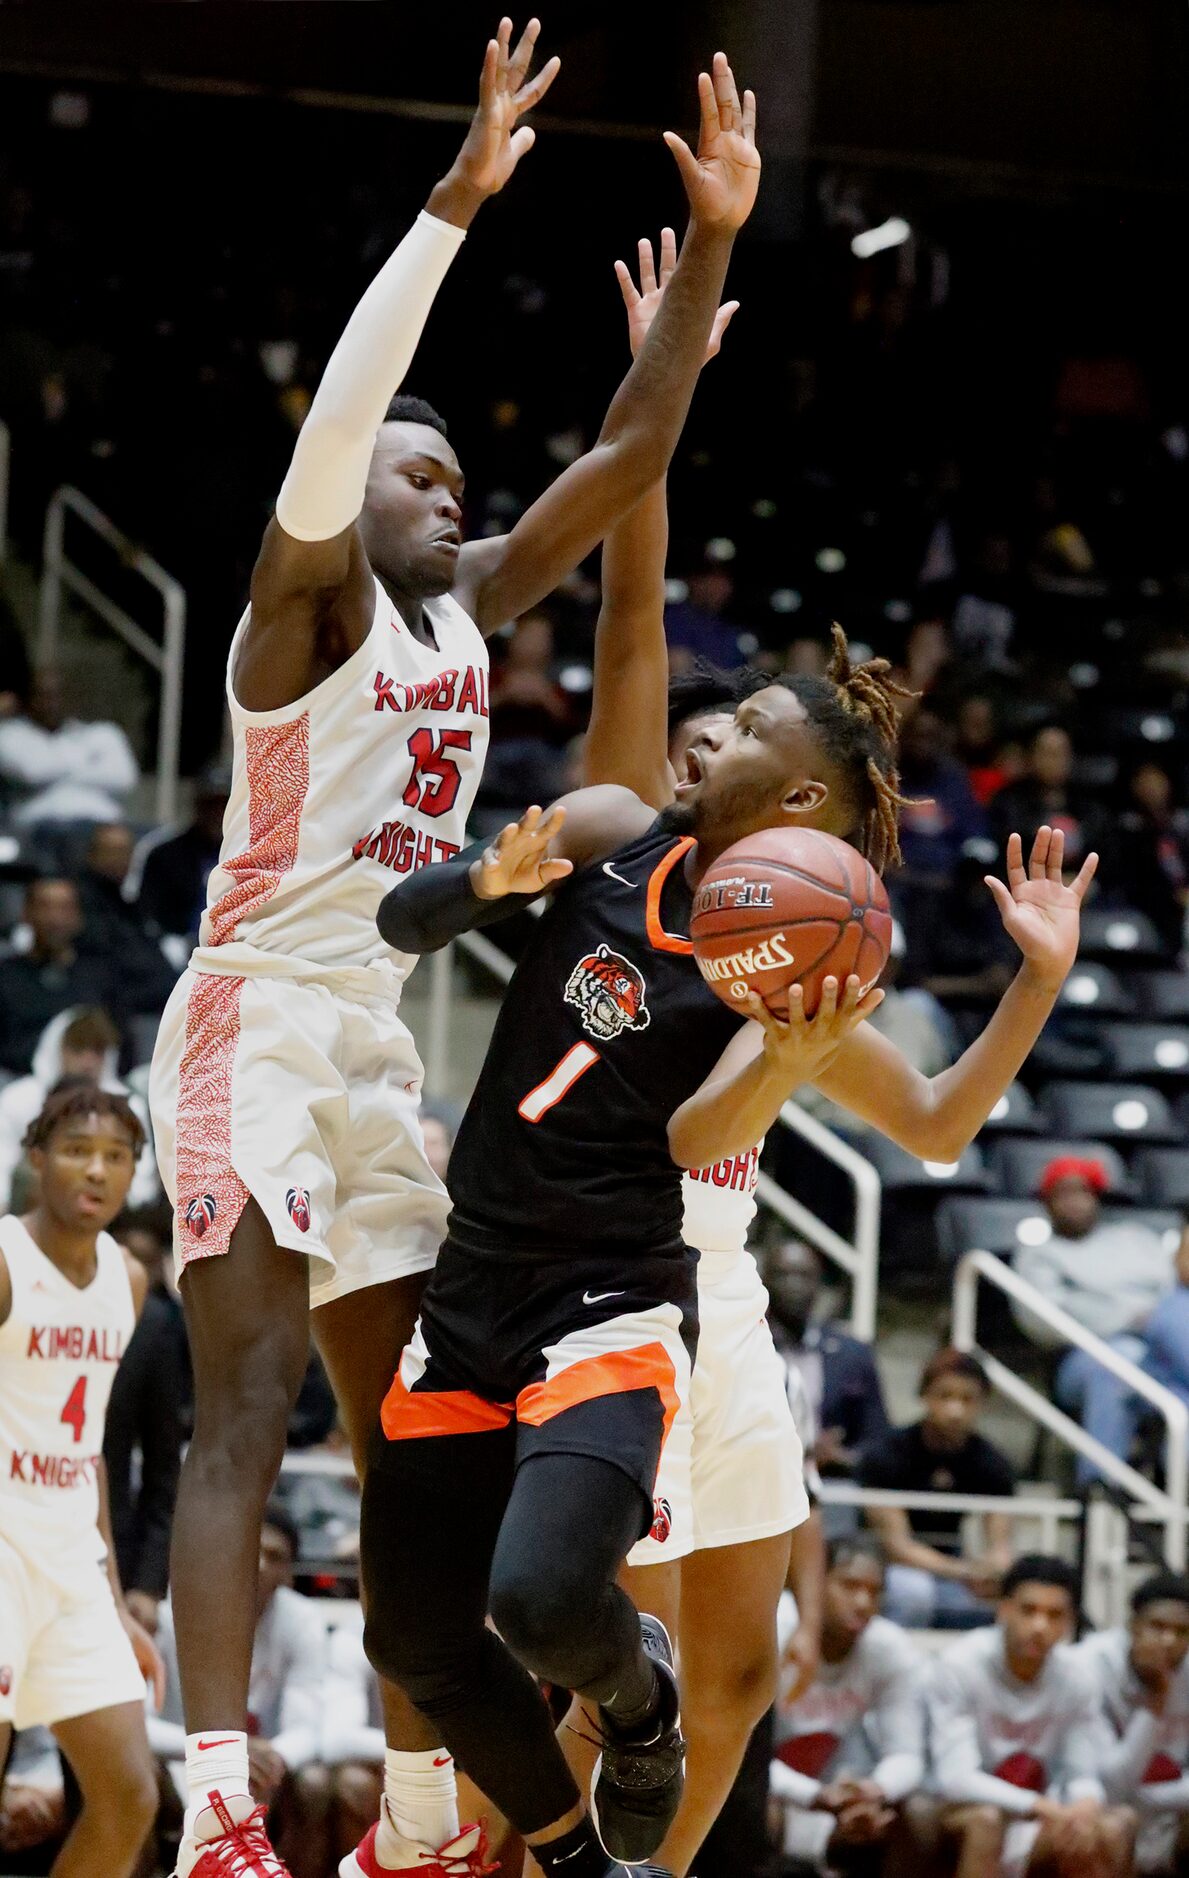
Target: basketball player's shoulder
pixel 891 1649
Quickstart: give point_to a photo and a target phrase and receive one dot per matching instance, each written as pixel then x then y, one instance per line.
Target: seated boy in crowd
pixel 931 1583
pixel 1016 1744
pixel 851 1748
pixel 1142 1677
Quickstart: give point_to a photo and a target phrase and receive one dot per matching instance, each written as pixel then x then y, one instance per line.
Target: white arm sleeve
pixel 324 489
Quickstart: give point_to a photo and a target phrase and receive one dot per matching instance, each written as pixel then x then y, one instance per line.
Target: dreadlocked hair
pixel 855 711
pixel 74 1098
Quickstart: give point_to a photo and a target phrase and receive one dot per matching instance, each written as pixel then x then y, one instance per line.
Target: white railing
pixel 1167 1504
pixel 859 1260
pixel 59 572
pixel 5 473
pixel 1049 1511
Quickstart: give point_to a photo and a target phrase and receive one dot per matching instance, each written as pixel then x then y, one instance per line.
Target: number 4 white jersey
pixel 59 1349
pixel 337 797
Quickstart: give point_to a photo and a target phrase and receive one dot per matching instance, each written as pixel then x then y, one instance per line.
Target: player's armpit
pixel 312 605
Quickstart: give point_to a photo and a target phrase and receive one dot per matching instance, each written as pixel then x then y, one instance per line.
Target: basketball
pixel 789 906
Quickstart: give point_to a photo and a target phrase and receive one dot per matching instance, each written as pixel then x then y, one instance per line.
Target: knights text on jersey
pixel 59 1349
pixel 606 1029
pixel 336 797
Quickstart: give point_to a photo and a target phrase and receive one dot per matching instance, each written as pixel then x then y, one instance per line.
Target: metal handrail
pixel 166 658
pixel 1048 1509
pixel 1168 1503
pixel 860 1260
pixel 5 473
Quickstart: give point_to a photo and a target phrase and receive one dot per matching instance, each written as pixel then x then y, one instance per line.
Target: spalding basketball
pixel 789 906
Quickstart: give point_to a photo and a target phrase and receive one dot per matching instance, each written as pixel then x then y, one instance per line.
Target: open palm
pixel 644 301
pixel 722 180
pixel 1040 912
pixel 494 145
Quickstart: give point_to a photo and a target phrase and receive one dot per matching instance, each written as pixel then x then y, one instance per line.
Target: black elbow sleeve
pixel 436 904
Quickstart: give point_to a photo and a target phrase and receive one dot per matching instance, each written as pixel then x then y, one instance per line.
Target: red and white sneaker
pixel 463 1857
pixel 243 1852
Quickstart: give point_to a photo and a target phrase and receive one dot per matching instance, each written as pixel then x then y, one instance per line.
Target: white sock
pixel 217 1782
pixel 420 1807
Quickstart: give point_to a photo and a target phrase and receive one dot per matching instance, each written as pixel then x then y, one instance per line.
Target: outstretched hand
pixel 642 302
pixel 800 1047
pixel 494 144
pixel 722 180
pixel 1040 912
pixel 518 861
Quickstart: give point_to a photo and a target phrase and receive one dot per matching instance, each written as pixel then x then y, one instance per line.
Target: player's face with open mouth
pixel 412 516
pixel 739 771
pixel 86 1169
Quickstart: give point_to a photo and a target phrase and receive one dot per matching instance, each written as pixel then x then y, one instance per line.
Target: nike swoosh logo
pixel 227 1741
pixel 608 869
pixel 442 1760
pixel 597 1297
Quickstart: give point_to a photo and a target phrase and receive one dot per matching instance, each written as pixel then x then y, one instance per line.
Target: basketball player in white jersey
pixel 285 1085
pixel 71 1656
pixel 851 1747
pixel 1141 1672
pixel 731 1499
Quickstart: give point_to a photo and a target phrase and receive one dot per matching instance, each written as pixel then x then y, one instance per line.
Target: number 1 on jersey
pixel 75 1412
pixel 560 1080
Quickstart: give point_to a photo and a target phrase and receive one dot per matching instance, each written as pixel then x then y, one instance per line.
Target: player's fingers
pixel 749 116
pixel 850 994
pixel 555 870
pixel 521 142
pixel 532 93
pixel 866 1007
pixel 520 60
pixel 1086 873
pixel 489 77
pixel 685 159
pixel 553 822
pixel 1016 875
pixel 668 254
pixel 647 265
pixel 999 894
pixel 707 107
pixel 627 286
pixel 1055 867
pixel 828 1003
pixel 755 1007
pixel 1040 852
pixel 730 112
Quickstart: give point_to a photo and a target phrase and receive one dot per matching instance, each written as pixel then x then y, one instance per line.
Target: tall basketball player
pixel 71 1656
pixel 284 1084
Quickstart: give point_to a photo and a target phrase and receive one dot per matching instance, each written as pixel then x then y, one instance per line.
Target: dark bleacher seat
pixel 1014 1114
pixel 1163 1174
pixel 1109 1111
pixel 1019 1161
pixel 1118 935
pixel 901 1172
pixel 1162 994
pixel 1148 1052
pixel 1096 991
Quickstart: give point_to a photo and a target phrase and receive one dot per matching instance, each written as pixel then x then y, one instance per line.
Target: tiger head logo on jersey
pixel 200 1214
pixel 608 992
pixel 298 1201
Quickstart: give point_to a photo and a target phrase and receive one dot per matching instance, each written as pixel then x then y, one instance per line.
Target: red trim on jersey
pixel 278 766
pixel 208 1189
pixel 649 1366
pixel 661 940
pixel 415 1414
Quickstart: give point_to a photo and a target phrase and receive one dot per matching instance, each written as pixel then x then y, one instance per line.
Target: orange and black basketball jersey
pixel 606 1029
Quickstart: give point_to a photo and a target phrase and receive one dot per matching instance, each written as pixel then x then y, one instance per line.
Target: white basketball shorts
pixel 732 1470
pixel 303 1093
pixel 63 1650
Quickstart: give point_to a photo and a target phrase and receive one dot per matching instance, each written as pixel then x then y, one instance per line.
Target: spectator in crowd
pixel 52 975
pixel 958 951
pixel 837 1371
pixel 979 747
pixel 851 1748
pixel 285 1699
pixel 33 1816
pixel 531 723
pixel 1109 1275
pixel 1142 1678
pixel 697 627
pixel 171 869
pixel 113 929
pixel 1046 793
pixel 82 1044
pixel 932 1582
pixel 1149 857
pixel 942 813
pixel 1015 1739
pixel 60 769
pixel 1166 1335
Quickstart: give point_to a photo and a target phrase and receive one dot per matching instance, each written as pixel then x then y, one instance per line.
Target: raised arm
pixel 312 585
pixel 626 741
pixel 937 1117
pixel 502 578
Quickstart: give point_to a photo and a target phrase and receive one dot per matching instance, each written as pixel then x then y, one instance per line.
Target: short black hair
pixel 1161 1588
pixel 282 1521
pixel 951 1362
pixel 405 410
pixel 704 688
pixel 1037 1568
pixel 849 1546
pixel 76 1096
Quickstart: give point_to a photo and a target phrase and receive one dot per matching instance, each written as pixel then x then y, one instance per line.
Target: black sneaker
pixel 639 1777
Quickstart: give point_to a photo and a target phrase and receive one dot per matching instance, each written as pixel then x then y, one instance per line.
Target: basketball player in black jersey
pixel 519 1442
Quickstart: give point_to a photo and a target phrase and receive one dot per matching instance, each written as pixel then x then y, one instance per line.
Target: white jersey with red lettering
pixel 63 1649
pixel 862 1716
pixel 732 1470
pixel 337 797
pixel 283 1071
pixel 1145 1755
